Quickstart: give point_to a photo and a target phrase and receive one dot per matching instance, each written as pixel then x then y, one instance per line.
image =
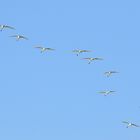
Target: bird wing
pixel 13 36
pixel 125 122
pixel 98 58
pixel 10 27
pixel 102 91
pixel 135 125
pixel 88 58
pixel 86 51
pixel 50 49
pixel 113 71
pixel 23 37
pixel 112 91
pixel 39 47
pixel 75 51
pixel 106 72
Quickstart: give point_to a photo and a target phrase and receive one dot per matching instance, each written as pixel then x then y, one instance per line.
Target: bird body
pixel 2 27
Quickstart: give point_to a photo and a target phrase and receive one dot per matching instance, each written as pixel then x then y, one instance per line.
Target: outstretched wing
pixel 125 122
pixel 10 27
pixel 98 58
pixel 23 37
pixel 88 58
pixel 75 51
pixel 135 125
pixel 107 72
pixel 112 91
pixel 102 92
pixel 39 47
pixel 50 49
pixel 13 36
pixel 113 71
pixel 85 50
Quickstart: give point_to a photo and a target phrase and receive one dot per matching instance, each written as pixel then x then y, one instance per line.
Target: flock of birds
pixel 78 52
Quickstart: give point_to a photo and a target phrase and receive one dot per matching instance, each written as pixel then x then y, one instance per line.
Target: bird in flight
pixel 78 51
pixel 107 92
pixel 18 37
pixel 43 49
pixel 129 124
pixel 109 73
pixel 2 27
pixel 90 59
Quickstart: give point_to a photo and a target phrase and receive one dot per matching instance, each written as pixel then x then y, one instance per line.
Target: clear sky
pixel 53 96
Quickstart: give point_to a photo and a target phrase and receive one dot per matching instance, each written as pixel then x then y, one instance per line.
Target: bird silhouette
pixel 107 92
pixel 129 124
pixel 78 51
pixel 90 59
pixel 109 73
pixel 43 49
pixel 19 37
pixel 2 27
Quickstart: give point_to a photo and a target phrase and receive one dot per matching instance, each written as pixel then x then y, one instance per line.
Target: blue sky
pixel 54 95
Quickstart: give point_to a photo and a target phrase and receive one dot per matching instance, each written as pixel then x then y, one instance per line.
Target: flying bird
pixel 107 92
pixel 43 49
pixel 2 27
pixel 78 51
pixel 129 124
pixel 109 73
pixel 18 37
pixel 90 59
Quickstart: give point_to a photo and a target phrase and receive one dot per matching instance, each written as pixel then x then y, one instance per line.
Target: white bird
pixel 109 73
pixel 107 92
pixel 90 59
pixel 78 51
pixel 2 27
pixel 43 49
pixel 129 124
pixel 18 37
